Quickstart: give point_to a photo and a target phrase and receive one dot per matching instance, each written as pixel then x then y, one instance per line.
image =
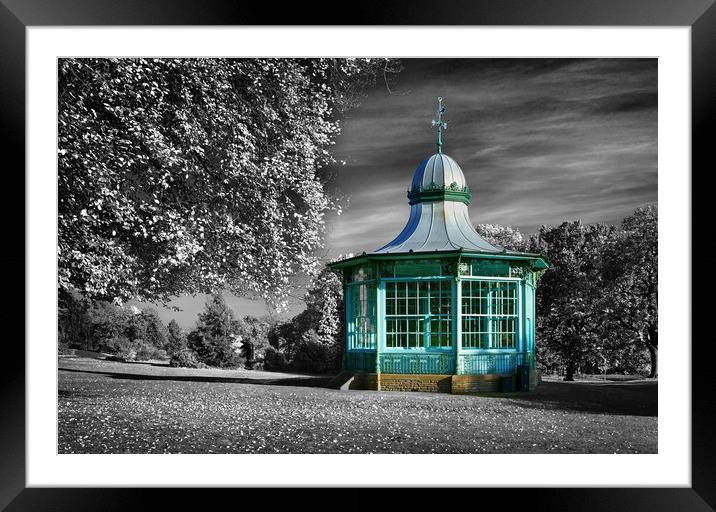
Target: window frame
pixel 427 318
pixel 517 318
pixel 372 298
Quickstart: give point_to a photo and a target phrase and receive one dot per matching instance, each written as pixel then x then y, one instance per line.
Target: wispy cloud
pixel 540 141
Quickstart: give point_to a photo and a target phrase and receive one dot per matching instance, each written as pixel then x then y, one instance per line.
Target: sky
pixel 540 141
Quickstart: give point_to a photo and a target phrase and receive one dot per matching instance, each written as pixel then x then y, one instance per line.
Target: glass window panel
pixel 413 306
pixel 489 310
pixel 419 314
pixel 362 331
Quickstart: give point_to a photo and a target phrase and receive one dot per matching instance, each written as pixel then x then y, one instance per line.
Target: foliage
pixel 74 327
pixel 312 341
pixel 154 331
pixel 312 354
pixel 64 350
pixel 147 352
pixel 252 334
pixel 176 338
pixel 213 339
pixel 631 271
pixel 597 304
pixel 125 331
pixel 503 236
pixel 283 336
pixel 274 360
pixel 185 358
pixel 181 176
pixel 122 349
pixel 569 322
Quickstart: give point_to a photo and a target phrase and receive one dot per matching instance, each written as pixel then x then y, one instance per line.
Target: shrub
pixel 185 358
pixel 121 348
pixel 274 360
pixel 145 352
pixel 64 350
pixel 314 356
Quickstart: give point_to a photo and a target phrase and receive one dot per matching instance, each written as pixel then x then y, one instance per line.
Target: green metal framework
pixel 452 314
pixel 418 314
pixel 434 192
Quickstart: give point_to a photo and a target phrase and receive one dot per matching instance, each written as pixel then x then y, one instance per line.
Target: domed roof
pixel 439 169
pixel 439 219
pixel 439 178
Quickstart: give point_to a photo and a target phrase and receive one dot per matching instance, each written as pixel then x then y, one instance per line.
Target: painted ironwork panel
pixel 424 363
pixel 478 364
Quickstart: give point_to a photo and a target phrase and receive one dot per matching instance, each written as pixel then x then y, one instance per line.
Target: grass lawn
pixel 112 407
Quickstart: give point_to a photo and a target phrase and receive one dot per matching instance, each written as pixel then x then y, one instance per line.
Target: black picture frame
pixel 17 15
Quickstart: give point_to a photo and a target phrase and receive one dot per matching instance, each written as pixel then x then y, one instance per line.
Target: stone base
pixel 466 384
pixel 455 384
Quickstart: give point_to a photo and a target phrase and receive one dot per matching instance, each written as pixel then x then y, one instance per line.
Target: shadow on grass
pixel 312 382
pixel 625 398
pixel 634 398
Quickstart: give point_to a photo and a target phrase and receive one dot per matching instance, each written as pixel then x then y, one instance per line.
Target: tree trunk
pixel 653 353
pixel 652 344
pixel 570 372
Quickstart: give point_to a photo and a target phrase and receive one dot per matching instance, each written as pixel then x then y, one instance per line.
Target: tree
pixel 569 321
pixel 176 338
pixel 313 340
pixel 73 325
pixel 325 299
pixel 631 273
pixel 183 176
pixel 253 336
pixel 502 236
pixel 213 338
pixel 110 324
pixel 155 332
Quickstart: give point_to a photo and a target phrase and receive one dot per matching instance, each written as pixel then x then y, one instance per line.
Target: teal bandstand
pixel 439 308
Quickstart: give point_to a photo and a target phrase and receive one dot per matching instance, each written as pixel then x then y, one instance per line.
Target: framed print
pixel 183 166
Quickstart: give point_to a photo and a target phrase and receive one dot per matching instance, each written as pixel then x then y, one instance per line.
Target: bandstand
pixel 439 308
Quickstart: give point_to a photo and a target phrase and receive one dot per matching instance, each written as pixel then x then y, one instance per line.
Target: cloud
pixel 540 141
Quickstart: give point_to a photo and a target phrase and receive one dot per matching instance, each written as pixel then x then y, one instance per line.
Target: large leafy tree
pixel 569 320
pixel 195 175
pixel 631 272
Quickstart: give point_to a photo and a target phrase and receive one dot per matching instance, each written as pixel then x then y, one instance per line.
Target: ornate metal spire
pixel 441 125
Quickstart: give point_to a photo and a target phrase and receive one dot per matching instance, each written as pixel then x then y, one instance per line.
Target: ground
pixel 113 407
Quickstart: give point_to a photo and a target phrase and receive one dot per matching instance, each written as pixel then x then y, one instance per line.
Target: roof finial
pixel 442 125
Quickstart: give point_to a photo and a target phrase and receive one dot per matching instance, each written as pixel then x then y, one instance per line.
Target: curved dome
pixel 439 218
pixel 439 169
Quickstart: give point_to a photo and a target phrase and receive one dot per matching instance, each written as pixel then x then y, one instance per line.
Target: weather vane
pixel 442 125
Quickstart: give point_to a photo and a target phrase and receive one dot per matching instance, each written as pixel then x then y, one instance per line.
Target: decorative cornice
pixel 435 192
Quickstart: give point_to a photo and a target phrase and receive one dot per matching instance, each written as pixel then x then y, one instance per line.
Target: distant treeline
pixel 309 342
